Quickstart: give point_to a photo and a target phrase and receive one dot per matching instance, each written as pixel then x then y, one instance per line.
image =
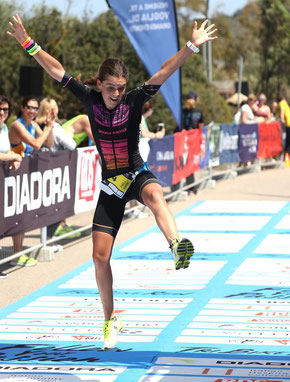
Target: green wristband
pixel 36 50
pixel 33 48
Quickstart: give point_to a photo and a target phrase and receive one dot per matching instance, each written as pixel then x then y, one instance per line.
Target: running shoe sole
pixel 184 251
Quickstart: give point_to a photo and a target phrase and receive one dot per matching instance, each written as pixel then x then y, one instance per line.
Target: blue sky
pixel 98 6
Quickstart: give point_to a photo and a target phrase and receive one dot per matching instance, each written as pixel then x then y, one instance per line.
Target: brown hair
pixel 147 106
pixel 109 67
pixel 24 103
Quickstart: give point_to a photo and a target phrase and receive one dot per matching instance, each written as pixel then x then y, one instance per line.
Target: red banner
pixel 270 139
pixel 186 154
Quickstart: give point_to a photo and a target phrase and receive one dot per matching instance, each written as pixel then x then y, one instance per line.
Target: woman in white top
pixel 6 154
pixel 145 133
pixel 62 139
pixel 5 149
pixel 247 114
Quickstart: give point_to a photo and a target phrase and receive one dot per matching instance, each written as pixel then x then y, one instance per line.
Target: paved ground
pixel 270 184
pixel 225 318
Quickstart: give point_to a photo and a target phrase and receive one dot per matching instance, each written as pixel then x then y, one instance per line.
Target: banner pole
pixel 43 234
pixel 180 69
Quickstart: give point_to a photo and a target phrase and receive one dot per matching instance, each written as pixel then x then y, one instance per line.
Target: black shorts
pixel 110 209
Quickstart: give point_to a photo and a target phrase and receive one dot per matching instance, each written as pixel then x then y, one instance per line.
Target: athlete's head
pixel 112 79
pixel 113 67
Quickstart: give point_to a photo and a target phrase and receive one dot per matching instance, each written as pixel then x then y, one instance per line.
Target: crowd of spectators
pixel 36 128
pixel 256 110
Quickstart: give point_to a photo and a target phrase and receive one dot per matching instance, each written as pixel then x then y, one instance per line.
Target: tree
pixel 275 47
pixel 82 44
pixel 9 76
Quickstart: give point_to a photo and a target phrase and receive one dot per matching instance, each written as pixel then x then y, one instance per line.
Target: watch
pixel 194 48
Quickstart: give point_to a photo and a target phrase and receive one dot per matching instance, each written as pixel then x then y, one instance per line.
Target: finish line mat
pixel 224 319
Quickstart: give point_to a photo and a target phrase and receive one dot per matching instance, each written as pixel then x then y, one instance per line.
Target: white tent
pixel 237 98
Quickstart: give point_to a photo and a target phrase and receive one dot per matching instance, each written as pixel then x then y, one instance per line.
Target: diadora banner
pixel 151 28
pixel 47 188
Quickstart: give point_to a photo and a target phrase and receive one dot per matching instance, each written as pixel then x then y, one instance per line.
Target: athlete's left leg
pixel 152 196
pixel 182 250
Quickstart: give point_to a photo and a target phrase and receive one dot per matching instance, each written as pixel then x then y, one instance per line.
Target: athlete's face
pixel 113 89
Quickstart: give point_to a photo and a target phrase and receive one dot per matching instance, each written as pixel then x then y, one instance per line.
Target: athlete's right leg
pixel 107 219
pixel 102 249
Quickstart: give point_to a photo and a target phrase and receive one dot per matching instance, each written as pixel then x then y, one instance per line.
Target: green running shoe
pixel 111 329
pixel 66 229
pixel 24 261
pixel 182 250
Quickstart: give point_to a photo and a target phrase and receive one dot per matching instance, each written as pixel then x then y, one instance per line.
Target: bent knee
pixel 154 197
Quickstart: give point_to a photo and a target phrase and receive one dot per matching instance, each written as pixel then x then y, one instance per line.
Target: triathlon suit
pixel 23 148
pixel 116 134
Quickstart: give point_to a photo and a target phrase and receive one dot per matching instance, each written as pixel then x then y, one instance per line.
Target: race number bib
pixel 117 185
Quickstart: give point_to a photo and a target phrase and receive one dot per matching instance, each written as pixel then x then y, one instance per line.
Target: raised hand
pixel 50 118
pixel 19 32
pixel 203 34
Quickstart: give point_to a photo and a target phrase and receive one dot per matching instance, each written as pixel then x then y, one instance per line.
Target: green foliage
pixel 274 45
pixel 259 32
pixel 9 62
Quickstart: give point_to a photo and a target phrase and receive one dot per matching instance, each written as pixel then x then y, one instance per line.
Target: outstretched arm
pixel 49 64
pixel 199 36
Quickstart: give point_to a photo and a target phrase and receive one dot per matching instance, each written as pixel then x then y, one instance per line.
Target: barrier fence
pixel 50 187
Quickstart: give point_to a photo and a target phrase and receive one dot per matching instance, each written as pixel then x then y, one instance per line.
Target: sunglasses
pixel 4 109
pixel 31 108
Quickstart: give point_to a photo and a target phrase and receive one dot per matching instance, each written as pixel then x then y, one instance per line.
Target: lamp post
pixel 240 80
pixel 207 50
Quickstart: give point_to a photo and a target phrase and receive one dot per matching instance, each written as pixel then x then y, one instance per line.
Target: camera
pixel 160 126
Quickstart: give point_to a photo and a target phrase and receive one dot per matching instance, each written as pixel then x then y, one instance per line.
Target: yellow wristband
pixel 26 41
